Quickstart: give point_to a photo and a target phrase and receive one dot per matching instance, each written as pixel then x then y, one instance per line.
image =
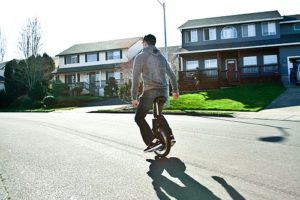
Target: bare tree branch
pixel 30 38
pixel 2 46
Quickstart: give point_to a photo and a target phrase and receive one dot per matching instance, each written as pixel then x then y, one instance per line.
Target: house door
pixel 232 72
pixel 92 79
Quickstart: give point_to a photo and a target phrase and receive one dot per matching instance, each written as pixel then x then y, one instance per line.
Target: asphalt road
pixel 100 156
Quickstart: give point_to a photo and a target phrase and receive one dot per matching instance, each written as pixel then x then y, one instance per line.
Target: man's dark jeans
pixel 146 103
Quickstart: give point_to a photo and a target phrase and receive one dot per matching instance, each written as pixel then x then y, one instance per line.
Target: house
pixel 2 69
pixel 230 50
pixel 172 56
pixel 89 66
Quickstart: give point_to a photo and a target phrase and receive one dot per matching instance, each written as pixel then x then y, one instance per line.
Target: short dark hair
pixel 149 39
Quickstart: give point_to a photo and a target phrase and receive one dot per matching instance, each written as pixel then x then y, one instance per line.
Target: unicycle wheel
pixel 166 143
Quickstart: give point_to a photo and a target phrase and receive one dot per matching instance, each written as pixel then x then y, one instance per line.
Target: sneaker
pixel 172 140
pixel 155 145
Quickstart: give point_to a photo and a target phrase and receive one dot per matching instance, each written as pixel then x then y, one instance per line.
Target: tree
pixel 30 38
pixel 2 46
pixel 31 75
pixel 13 88
pixel 34 68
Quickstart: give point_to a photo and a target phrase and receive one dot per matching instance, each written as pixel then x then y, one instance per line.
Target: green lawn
pixel 246 97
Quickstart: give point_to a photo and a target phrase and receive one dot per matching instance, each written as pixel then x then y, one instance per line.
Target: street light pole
pixel 166 47
pixel 165 28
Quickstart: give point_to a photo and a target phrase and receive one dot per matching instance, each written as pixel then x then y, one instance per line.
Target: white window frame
pixel 270 25
pixel 73 59
pixel 110 74
pixel 192 35
pixel 92 54
pixel 191 65
pixel 211 32
pixel 248 28
pixel 113 55
pixel 250 70
pixel 295 25
pixel 228 32
pixel 269 65
pixel 210 63
pixel 274 56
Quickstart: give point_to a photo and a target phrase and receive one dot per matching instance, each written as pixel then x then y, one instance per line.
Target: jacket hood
pixel 152 50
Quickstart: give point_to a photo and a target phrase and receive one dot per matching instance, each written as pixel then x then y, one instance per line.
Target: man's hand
pixel 135 103
pixel 175 95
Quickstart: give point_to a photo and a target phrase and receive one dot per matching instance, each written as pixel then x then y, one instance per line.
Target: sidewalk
pixel 285 107
pixel 103 105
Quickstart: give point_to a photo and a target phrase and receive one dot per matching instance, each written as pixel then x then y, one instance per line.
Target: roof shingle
pixel 100 46
pixel 231 19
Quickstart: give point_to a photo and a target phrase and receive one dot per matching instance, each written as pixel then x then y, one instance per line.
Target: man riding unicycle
pixel 153 67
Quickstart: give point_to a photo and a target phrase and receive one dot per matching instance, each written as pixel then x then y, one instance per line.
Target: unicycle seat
pixel 160 99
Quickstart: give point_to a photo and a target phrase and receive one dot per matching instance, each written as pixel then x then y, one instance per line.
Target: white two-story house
pixel 89 66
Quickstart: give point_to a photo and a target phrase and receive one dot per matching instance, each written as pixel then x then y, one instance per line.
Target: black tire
pixel 165 140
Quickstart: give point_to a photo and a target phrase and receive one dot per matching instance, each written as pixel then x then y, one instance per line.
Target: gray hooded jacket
pixel 153 67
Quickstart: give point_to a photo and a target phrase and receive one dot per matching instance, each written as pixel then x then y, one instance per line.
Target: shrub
pixel 38 92
pixel 4 100
pixel 111 88
pixel 37 104
pixel 58 88
pixel 49 101
pixel 125 91
pixel 22 102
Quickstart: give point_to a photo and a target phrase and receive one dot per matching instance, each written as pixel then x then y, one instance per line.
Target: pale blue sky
pixel 66 22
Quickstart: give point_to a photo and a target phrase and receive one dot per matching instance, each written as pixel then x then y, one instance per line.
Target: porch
pixel 95 88
pixel 202 79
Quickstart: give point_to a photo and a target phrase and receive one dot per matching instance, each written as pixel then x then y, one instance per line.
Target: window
pixel 210 34
pixel 191 36
pixel 270 63
pixel 248 30
pixel 192 64
pixel 91 57
pixel 70 78
pixel 228 33
pixel 70 59
pixel 297 27
pixel 211 63
pixel 268 28
pixel 112 55
pixel 250 64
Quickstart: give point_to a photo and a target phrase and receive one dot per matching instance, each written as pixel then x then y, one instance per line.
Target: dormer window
pixel 228 32
pixel 191 36
pixel 209 34
pixel 248 30
pixel 268 28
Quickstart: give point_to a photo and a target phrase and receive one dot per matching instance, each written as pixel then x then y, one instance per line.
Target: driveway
pixel 285 107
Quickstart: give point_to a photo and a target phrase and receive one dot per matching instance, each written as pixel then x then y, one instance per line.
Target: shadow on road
pixel 275 139
pixel 166 188
pixel 231 191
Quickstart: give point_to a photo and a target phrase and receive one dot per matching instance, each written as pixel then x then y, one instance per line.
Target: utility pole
pixel 166 47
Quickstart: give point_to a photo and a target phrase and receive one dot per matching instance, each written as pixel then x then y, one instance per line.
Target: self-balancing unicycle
pixel 160 127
